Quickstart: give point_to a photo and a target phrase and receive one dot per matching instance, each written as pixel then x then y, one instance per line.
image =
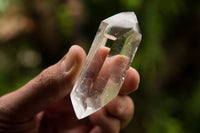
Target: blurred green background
pixel 37 33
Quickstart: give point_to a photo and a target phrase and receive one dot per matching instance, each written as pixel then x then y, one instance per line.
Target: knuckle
pixel 128 114
pixel 121 106
pixel 113 128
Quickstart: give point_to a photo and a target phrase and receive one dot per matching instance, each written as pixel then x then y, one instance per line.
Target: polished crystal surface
pixel 107 63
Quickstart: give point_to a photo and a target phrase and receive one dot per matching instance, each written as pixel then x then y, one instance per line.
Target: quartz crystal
pixel 107 63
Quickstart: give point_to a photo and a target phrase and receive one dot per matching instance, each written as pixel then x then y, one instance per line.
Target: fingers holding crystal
pixel 131 82
pixel 104 123
pixel 100 80
pixel 121 108
pixel 95 66
pixel 114 116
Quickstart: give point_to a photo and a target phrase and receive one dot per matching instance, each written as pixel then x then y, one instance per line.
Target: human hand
pixel 43 104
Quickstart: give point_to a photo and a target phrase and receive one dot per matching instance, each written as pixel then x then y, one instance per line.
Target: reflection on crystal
pixel 107 63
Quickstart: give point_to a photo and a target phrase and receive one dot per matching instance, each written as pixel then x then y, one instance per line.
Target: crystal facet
pixel 107 63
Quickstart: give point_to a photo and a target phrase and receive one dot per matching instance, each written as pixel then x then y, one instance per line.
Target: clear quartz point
pixel 107 63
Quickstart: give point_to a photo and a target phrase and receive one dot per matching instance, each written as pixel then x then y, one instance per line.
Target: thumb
pixel 50 86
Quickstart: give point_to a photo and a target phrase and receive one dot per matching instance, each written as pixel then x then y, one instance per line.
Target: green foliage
pixel 3 5
pixel 165 124
pixel 65 23
pixel 131 4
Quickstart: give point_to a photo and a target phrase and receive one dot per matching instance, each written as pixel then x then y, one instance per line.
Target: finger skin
pixel 113 69
pixel 131 82
pixel 104 122
pixel 114 116
pixel 47 88
pixel 121 108
pixel 93 70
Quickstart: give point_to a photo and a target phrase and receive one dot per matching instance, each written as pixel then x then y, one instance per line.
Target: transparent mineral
pixel 107 63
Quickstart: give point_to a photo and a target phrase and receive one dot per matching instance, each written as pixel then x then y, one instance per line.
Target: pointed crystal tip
pixel 126 20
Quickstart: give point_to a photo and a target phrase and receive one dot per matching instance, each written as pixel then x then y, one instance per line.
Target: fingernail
pixel 69 61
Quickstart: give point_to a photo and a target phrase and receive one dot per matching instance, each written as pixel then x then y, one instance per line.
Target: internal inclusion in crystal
pixel 107 63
